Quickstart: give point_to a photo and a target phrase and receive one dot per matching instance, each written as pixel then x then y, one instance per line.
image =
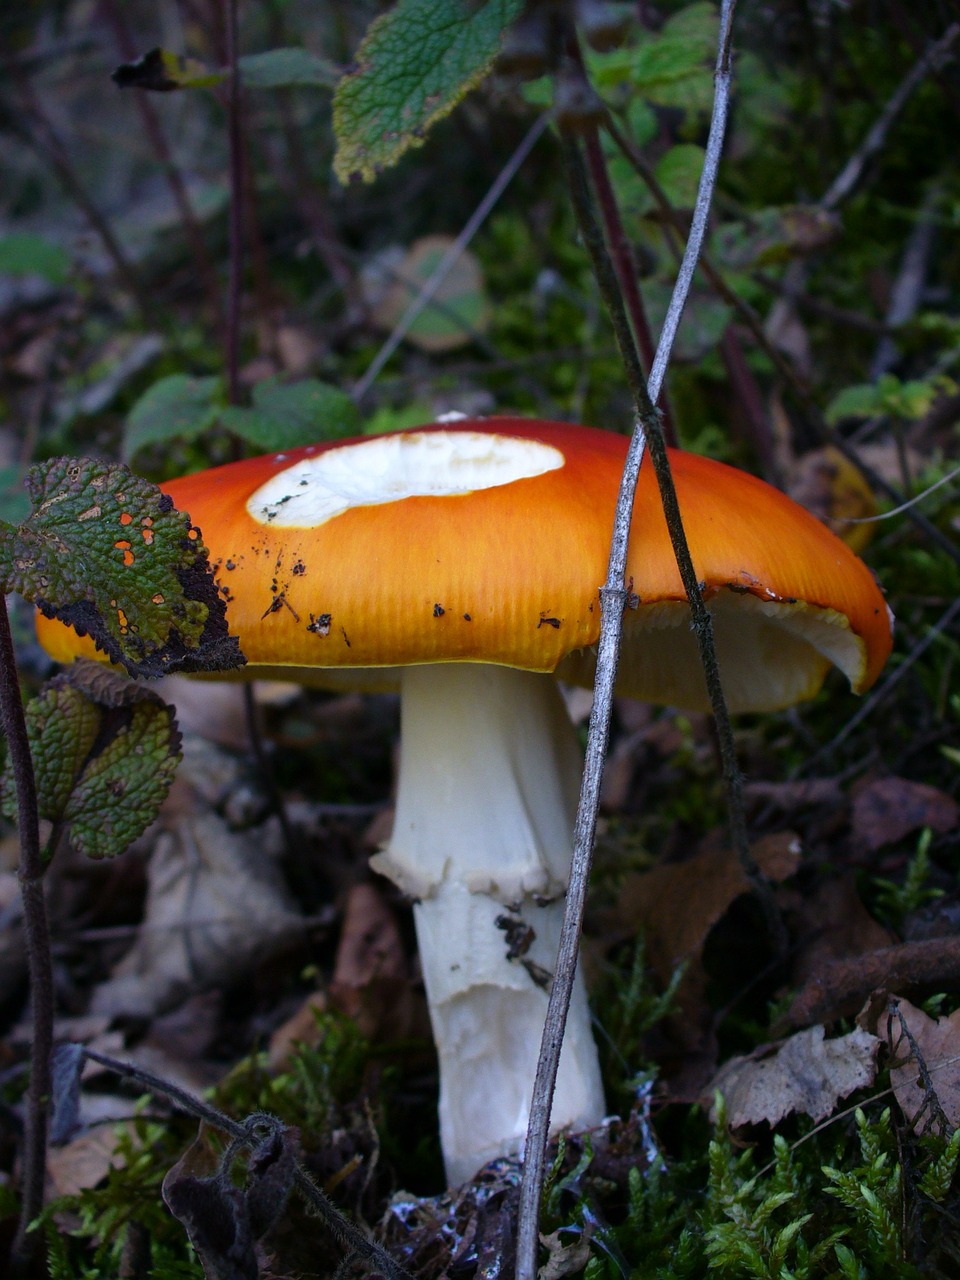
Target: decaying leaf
pixel 831 923
pixel 887 809
pixel 225 1221
pixel 105 751
pixel 108 553
pixel 370 981
pixel 215 902
pixel 807 1074
pixel 827 483
pixel 677 905
pixel 86 1161
pixel 458 307
pixel 938 1042
pixel 565 1258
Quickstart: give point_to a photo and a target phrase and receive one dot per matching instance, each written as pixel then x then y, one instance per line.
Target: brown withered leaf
pixel 677 905
pixel 794 794
pixel 841 986
pixel 85 1162
pixel 828 484
pixel 938 1042
pixel 806 1074
pixel 371 982
pixel 830 924
pixel 886 810
pixel 216 904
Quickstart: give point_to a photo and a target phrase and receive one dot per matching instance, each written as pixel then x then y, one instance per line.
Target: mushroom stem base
pixel 483 837
pixel 487 1013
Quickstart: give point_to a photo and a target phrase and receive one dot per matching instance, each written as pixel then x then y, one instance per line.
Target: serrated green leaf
pixel 104 751
pixel 286 415
pixel 178 407
pixel 24 254
pixel 412 68
pixel 121 789
pixel 107 553
pixel 287 69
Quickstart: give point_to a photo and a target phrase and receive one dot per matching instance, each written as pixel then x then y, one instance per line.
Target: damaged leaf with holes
pixel 104 752
pixel 107 553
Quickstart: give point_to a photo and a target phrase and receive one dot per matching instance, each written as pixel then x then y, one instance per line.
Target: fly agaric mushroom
pixel 463 561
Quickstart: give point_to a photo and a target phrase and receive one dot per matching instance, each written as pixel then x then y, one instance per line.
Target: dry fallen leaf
pixel 215 903
pixel 677 905
pixel 886 810
pixel 828 484
pixel 86 1161
pixel 807 1074
pixel 831 923
pixel 938 1041
pixel 370 981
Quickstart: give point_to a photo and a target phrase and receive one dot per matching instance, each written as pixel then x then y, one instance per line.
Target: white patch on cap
pixel 388 468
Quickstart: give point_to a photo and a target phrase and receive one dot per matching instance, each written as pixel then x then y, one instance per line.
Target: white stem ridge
pixel 489 777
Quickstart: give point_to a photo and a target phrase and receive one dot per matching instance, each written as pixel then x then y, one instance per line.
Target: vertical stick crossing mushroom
pixel 463 561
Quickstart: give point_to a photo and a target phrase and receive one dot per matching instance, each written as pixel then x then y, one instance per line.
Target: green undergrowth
pixel 857 1197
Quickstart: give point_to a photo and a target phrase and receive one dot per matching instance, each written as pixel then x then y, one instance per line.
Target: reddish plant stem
pixel 37 933
pixel 158 140
pixel 624 265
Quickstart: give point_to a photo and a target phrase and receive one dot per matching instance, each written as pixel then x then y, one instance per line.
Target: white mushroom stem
pixel 489 777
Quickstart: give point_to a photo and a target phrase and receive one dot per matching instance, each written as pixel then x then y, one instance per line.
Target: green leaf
pixel 286 415
pixel 104 752
pixel 415 64
pixel 108 554
pixel 287 69
pixel 860 401
pixel 24 254
pixel 162 71
pixel 672 67
pixel 678 172
pixel 177 407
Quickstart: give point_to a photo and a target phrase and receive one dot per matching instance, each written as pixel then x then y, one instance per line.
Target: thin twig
pixel 613 598
pixel 850 175
pixel 178 188
pixel 37 935
pixel 754 323
pixel 343 1230
pixel 430 287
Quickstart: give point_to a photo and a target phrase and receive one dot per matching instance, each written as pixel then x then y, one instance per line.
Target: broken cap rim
pixel 502 563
